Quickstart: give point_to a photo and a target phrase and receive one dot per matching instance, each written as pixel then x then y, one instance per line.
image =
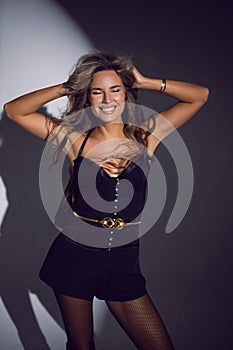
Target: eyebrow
pixel 112 87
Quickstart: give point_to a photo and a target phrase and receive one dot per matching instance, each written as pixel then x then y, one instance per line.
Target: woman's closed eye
pixel 98 92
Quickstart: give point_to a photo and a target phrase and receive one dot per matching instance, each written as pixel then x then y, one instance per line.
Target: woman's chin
pixel 109 118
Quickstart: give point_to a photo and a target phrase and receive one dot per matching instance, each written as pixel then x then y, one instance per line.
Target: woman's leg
pixel 77 315
pixel 141 321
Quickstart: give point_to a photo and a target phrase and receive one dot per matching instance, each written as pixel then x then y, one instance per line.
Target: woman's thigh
pixel 77 316
pixel 142 322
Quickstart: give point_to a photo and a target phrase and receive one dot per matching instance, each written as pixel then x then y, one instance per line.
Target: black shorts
pixel 84 272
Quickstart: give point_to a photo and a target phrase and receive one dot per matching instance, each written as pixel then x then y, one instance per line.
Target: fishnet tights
pixel 78 321
pixel 139 318
pixel 141 321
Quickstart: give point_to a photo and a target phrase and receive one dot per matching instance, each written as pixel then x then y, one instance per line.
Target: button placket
pixel 115 211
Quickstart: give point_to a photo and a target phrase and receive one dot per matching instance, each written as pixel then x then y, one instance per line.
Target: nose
pixel 106 97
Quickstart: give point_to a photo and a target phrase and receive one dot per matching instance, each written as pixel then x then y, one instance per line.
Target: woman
pixel 103 85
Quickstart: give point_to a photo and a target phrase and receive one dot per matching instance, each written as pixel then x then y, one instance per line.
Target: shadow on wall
pixel 25 235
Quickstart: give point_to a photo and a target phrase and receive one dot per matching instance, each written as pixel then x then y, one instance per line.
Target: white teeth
pixel 108 109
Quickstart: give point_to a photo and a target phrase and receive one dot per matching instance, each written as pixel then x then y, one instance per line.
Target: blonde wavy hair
pixel 78 84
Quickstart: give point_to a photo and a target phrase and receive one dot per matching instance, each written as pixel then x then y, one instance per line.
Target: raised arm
pixel 23 109
pixel 191 97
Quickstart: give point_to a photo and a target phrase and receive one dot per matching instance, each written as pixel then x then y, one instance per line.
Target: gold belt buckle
pixel 108 222
pixel 111 223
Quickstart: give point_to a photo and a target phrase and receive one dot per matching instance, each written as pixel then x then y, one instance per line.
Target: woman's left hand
pixel 139 79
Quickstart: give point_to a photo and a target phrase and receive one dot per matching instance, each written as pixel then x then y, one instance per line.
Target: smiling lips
pixel 108 110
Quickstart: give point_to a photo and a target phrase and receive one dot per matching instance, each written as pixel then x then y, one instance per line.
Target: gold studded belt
pixel 109 222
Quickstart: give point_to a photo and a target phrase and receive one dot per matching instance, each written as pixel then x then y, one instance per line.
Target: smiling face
pixel 107 96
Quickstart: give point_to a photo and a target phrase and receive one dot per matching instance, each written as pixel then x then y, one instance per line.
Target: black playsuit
pixel 86 259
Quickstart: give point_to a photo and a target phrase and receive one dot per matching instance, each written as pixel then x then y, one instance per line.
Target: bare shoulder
pixel 66 138
pixel 149 125
pixel 75 140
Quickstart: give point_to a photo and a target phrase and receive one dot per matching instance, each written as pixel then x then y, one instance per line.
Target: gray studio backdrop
pixel 189 271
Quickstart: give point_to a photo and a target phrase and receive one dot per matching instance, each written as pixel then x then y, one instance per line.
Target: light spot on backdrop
pixel 39 45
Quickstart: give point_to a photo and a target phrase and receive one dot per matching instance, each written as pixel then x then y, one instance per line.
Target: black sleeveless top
pixel 93 193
